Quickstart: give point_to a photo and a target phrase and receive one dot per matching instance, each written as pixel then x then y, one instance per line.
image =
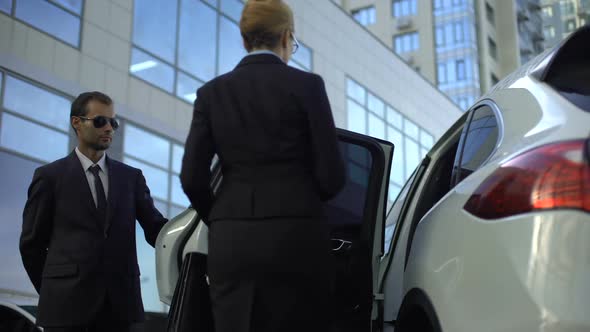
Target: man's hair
pixel 79 104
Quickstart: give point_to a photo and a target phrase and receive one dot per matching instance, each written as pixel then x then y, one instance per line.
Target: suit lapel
pixel 114 174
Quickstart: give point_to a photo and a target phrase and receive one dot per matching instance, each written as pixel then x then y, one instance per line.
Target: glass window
pixel 177 154
pixel 548 11
pixel 397 168
pixel 73 5
pixel 147 265
pixel 375 105
pixel 411 129
pixel 156 179
pixel 440 36
pixel 437 4
pixel 442 73
pixel 461 70
pixel 357 120
pixel 15 177
pixel 403 8
pixel 407 42
pixel 154 27
pixel 232 8
pixel 348 206
pixel 394 117
pixel 146 146
pixel 178 196
pixel 365 16
pixel 196 39
pixel 376 126
pixel 230 46
pixel 570 25
pixel 480 141
pixel 176 210
pixel 186 87
pixel 549 32
pixel 567 7
pixel 152 70
pixel 303 57
pixel 449 38
pixel 426 139
pixel 6 6
pixel 36 103
pixel 355 91
pixel 459 32
pixel 32 139
pixel 412 154
pixel 179 43
pixel 50 18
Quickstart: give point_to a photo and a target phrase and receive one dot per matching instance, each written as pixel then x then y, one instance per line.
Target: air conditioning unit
pixel 404 23
pixel 408 58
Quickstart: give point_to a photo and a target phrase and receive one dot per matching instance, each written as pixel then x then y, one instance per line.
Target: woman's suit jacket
pixel 271 126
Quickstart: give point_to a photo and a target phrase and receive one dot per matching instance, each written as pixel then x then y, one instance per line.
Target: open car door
pixel 356 217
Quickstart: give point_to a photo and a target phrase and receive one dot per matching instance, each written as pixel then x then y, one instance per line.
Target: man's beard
pixel 100 147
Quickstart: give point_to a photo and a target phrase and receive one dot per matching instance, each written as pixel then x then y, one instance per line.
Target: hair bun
pixel 264 21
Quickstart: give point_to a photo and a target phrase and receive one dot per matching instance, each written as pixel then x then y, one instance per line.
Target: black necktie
pixel 101 197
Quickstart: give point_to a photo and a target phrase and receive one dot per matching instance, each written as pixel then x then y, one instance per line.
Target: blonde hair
pixel 264 21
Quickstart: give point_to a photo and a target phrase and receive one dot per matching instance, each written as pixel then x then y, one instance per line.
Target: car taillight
pixel 554 176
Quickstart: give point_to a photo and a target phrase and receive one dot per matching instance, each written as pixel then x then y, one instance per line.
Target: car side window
pixel 480 141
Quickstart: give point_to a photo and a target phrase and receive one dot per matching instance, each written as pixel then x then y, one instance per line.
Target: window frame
pixel 456 177
pixel 79 16
pixel 178 71
pixel 367 11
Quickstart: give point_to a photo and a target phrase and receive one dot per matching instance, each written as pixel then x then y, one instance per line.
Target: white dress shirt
pixel 103 174
pixel 265 52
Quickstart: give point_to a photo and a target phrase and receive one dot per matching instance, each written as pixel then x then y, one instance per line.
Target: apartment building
pixel 462 46
pixel 561 17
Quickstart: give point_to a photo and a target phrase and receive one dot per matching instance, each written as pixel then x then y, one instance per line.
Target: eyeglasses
pixel 295 43
pixel 101 121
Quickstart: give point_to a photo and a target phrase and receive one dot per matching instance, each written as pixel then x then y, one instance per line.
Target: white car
pixel 490 233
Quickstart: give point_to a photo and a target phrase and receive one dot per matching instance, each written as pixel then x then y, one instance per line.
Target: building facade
pixel 561 17
pixel 462 46
pixel 150 56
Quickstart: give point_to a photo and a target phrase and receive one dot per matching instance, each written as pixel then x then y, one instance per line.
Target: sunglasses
pixel 295 43
pixel 101 121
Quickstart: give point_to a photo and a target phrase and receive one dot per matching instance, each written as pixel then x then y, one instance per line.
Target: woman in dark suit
pixel 272 128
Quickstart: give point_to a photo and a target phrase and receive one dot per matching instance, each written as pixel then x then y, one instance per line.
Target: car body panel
pixel 526 272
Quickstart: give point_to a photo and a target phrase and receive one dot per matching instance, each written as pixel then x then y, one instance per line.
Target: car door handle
pixel 341 245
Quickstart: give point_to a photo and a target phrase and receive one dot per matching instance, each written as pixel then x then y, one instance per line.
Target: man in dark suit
pixel 78 237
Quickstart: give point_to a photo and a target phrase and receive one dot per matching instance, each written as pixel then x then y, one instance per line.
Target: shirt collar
pixel 264 52
pixel 87 163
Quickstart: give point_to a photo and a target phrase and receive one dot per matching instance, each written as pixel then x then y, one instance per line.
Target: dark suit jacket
pixel 73 258
pixel 271 126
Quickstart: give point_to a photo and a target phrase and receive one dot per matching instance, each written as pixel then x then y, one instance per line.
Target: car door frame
pixel 406 214
pixel 375 209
